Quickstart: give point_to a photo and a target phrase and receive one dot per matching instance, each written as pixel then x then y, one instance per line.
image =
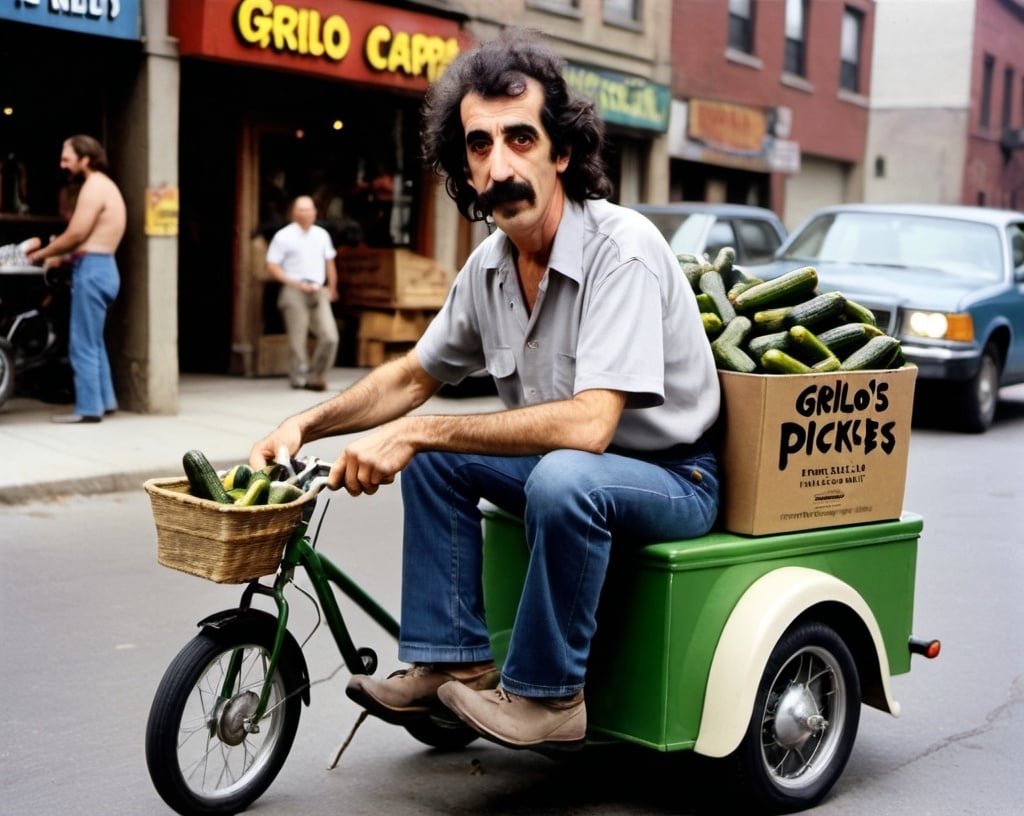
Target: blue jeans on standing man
pixel 94 285
pixel 573 504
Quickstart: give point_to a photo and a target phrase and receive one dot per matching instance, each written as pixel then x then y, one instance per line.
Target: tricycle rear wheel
pixel 804 722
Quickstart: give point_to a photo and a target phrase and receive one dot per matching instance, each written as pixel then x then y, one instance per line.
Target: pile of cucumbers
pixel 242 486
pixel 783 325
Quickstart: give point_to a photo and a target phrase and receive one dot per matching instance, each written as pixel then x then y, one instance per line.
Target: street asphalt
pixel 220 415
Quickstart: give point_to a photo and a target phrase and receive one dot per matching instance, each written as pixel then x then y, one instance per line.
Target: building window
pixel 988 70
pixel 1007 96
pixel 741 25
pixel 556 6
pixel 622 11
pixel 796 37
pixel 849 50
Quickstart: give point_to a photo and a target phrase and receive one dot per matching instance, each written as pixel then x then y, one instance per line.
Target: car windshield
pixel 963 249
pixel 684 232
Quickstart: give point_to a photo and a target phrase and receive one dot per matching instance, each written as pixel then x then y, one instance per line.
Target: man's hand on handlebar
pixel 371 461
pixel 287 435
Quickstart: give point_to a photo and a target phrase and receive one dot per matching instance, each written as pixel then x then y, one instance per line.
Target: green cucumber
pixel 772 320
pixel 777 361
pixel 724 261
pixel 706 303
pixel 808 346
pixel 238 476
pixel 712 285
pixel 859 314
pixel 878 352
pixel 256 492
pixel 203 480
pixel 816 310
pixel 847 337
pixel 781 291
pixel 760 344
pixel 713 324
pixel 726 347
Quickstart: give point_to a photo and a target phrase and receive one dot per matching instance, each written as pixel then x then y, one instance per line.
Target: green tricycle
pixel 755 652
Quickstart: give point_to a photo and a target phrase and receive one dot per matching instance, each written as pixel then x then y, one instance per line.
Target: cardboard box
pixel 391 278
pixel 814 450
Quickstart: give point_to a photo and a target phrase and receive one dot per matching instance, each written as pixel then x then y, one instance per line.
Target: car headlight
pixel 940 326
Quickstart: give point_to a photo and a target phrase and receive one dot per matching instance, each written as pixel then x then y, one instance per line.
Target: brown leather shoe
pixel 412 693
pixel 520 722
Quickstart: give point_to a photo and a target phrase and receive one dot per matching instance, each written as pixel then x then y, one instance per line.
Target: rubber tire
pixel 979 395
pixel 6 373
pixel 758 782
pixel 167 721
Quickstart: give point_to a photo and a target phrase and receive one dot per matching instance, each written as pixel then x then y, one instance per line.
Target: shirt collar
pixel 566 252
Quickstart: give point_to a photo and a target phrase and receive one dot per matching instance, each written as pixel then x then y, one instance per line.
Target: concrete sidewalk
pixel 220 415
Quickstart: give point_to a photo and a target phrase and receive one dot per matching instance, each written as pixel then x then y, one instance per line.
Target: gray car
pixel 948 281
pixel 703 229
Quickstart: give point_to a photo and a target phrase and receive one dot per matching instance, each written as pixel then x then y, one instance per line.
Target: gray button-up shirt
pixel 614 311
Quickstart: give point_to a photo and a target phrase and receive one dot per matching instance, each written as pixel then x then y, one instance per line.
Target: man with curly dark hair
pixel 579 311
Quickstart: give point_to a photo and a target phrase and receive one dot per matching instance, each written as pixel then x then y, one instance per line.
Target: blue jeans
pixel 572 504
pixel 94 285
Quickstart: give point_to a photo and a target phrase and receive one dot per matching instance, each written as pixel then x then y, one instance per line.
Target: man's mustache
pixel 503 192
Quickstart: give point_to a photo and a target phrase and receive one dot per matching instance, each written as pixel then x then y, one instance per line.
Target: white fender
pixel 756 624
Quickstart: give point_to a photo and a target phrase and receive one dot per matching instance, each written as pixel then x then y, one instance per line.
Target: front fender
pixel 258 619
pixel 755 626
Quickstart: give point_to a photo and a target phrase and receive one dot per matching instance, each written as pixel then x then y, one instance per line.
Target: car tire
pixel 980 394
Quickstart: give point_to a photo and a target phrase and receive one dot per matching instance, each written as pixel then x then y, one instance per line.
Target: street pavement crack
pixel 1016 697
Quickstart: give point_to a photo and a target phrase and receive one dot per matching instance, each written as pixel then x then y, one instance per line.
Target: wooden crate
pixel 391 278
pixel 393 325
pixel 374 352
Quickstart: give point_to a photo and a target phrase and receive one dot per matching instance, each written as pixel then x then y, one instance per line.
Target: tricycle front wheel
pixel 804 722
pixel 203 757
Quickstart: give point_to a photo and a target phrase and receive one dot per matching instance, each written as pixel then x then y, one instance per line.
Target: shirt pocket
pixel 501 363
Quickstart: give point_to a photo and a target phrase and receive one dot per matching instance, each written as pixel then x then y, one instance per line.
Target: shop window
pixel 741 25
pixel 796 37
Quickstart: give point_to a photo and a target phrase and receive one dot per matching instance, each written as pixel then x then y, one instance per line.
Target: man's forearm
pixel 386 393
pixel 586 422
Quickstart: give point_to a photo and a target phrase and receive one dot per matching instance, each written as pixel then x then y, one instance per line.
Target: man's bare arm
pixel 83 220
pixel 387 392
pixel 586 422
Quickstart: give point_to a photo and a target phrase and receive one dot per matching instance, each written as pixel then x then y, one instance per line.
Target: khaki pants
pixel 306 315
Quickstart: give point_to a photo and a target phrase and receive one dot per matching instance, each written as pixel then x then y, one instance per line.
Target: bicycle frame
pixel 324 575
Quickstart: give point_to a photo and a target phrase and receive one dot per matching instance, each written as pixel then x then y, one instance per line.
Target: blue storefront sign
pixel 105 18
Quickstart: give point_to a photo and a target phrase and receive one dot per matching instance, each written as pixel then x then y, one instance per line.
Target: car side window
pixel 758 239
pixel 1016 234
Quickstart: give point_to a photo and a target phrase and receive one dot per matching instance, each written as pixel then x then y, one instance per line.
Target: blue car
pixel 948 281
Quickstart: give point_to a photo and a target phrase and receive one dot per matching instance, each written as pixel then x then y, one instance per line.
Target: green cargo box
pixel 664 607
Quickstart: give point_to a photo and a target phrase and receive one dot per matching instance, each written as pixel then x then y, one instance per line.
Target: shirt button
pixel 533 344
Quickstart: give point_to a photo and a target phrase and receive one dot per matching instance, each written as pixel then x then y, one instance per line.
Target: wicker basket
pixel 219 542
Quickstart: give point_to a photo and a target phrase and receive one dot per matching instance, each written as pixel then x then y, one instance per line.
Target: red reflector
pixel 928 648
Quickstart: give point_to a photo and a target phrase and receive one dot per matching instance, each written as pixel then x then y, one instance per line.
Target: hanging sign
pixel 621 99
pixel 106 18
pixel 162 210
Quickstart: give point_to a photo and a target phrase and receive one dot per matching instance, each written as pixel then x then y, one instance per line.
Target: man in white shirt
pixel 301 258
